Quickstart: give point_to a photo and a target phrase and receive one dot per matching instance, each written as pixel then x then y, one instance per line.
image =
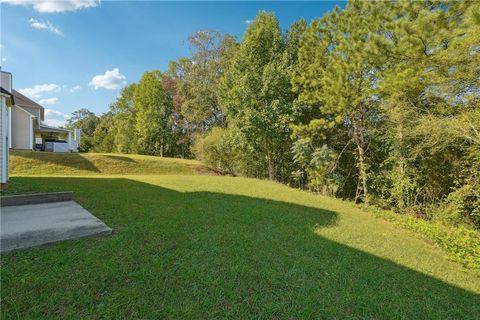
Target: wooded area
pixel 378 103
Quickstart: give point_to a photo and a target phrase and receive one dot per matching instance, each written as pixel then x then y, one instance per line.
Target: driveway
pixel 32 225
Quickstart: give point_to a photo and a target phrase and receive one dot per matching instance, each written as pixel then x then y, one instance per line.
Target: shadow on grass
pixel 213 255
pixel 120 158
pixel 71 160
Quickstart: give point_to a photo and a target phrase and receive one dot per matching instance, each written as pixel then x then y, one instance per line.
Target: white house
pixel 6 101
pixel 29 132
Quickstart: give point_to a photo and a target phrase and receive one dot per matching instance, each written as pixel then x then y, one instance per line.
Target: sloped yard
pixel 188 246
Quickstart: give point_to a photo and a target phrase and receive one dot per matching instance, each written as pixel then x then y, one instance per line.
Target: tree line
pixel 378 103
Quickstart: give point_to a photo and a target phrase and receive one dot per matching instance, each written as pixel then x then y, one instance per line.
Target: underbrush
pixel 461 243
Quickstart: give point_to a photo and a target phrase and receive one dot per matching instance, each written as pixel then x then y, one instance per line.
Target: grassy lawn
pixel 197 246
pixel 50 163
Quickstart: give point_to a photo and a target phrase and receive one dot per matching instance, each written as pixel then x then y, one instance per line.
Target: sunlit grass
pixel 27 163
pixel 222 247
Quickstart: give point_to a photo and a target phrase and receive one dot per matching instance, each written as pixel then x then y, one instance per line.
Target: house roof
pixel 23 101
pixel 44 128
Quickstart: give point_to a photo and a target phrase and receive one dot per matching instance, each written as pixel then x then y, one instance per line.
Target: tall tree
pixel 197 77
pixel 86 121
pixel 338 74
pixel 104 135
pixel 256 92
pixel 125 138
pixel 153 108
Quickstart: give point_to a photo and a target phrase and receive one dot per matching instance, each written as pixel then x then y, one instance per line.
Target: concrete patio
pixel 25 226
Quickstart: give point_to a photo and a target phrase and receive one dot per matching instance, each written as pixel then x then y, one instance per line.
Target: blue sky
pixel 78 53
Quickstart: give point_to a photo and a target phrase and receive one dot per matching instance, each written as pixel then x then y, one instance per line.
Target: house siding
pixel 3 141
pixel 22 134
pixel 33 111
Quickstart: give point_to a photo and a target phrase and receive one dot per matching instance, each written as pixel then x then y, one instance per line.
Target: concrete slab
pixel 38 224
pixel 34 198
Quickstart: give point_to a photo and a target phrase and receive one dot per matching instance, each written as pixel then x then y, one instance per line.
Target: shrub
pixel 461 243
pixel 218 149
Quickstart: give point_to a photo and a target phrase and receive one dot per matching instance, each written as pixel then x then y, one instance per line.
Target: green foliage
pixel 197 77
pixel 124 113
pixel 406 91
pixel 87 122
pixel 317 165
pixel 103 137
pixel 256 93
pixel 461 206
pixel 219 150
pixel 461 243
pixel 377 102
pixel 153 110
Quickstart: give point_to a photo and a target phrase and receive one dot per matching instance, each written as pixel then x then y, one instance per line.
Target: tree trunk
pixel 359 137
pixel 271 173
pixel 402 202
pixel 161 148
pixel 271 169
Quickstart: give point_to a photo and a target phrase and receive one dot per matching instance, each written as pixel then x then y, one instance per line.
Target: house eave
pixel 45 128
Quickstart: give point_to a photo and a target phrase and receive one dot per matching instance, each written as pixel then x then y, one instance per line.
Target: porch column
pixel 31 133
pixel 9 112
pixel 70 140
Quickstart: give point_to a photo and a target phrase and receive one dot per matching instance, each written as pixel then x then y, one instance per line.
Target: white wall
pixel 34 111
pixel 3 140
pixel 22 129
pixel 6 80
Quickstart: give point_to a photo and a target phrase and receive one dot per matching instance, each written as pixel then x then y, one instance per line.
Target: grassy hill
pixel 202 246
pixel 50 163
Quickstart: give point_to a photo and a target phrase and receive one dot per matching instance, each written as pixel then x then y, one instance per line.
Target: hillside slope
pixel 28 163
pixel 223 247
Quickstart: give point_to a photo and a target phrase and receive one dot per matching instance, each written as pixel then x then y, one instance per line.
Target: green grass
pixel 28 163
pixel 196 246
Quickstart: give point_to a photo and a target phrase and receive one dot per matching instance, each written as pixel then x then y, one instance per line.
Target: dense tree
pixel 153 107
pixel 104 136
pixel 86 121
pixel 338 75
pixel 197 78
pixel 256 93
pixel 378 102
pixel 124 112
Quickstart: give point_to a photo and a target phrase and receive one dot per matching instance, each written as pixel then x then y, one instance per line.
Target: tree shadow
pixel 119 158
pixel 71 160
pixel 215 255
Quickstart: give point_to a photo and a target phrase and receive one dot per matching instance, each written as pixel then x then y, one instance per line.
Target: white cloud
pixel 45 25
pixel 74 88
pixel 248 21
pixel 55 118
pixel 38 89
pixel 71 89
pixel 48 101
pixel 111 80
pixel 52 6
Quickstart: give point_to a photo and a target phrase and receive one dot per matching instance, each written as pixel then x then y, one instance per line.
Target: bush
pixel 218 149
pixel 462 206
pixel 461 243
pixel 316 167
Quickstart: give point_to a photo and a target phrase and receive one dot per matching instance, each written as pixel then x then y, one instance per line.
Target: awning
pixel 45 128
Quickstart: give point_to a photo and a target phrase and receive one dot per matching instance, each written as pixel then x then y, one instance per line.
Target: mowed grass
pixel 196 246
pixel 49 163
